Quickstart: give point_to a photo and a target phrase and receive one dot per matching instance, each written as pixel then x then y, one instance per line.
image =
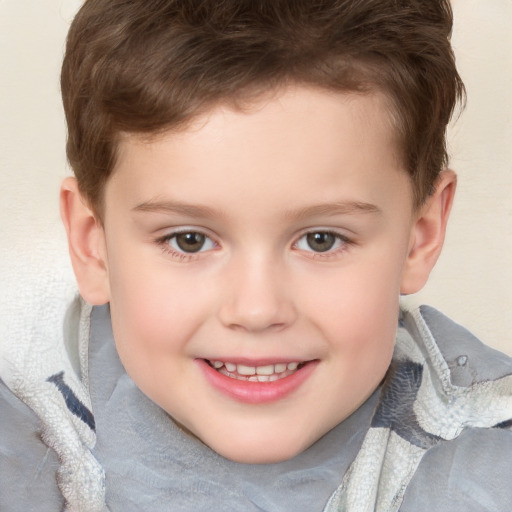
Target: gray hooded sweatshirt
pixel 76 434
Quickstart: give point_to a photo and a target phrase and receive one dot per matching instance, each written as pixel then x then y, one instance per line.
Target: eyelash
pixel 343 241
pixel 164 243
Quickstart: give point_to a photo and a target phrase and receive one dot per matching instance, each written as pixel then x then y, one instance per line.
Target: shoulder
pixel 461 405
pixel 469 468
pixel 45 416
pixel 454 354
pixel 459 382
pixel 27 465
pixel 468 359
pixel 471 473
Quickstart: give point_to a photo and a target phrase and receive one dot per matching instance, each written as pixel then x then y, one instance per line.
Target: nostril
pixel 255 300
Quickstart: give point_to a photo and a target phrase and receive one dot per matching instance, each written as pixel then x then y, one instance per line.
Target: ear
pixel 428 232
pixel 86 240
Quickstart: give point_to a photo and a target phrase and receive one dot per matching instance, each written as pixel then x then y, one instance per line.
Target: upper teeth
pixel 269 369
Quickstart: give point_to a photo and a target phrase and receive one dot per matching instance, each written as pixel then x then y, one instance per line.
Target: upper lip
pixel 258 362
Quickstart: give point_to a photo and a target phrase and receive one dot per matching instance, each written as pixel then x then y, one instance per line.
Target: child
pixel 256 184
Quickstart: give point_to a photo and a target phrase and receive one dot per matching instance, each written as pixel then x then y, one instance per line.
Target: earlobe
pixel 428 234
pixel 86 241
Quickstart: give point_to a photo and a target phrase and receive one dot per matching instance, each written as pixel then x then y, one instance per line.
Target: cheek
pixel 153 312
pixel 153 324
pixel 356 309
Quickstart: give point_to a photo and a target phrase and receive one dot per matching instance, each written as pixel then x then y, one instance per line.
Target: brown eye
pixel 189 242
pixel 321 241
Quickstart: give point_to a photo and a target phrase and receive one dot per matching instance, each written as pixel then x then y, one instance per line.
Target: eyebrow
pixel 335 208
pixel 189 210
pixel 201 211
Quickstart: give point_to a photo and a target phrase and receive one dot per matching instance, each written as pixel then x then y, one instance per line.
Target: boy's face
pixel 257 241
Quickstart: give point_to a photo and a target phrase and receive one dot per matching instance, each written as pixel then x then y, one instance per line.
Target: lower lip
pixel 256 392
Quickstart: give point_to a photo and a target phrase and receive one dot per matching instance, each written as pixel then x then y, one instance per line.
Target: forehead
pixel 309 106
pixel 294 141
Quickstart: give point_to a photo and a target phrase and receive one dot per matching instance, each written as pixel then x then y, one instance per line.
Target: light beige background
pixel 473 280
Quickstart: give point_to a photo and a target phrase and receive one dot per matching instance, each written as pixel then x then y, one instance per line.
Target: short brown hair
pixel 146 66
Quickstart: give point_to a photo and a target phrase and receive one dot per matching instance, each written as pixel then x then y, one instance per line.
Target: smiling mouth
pixel 265 373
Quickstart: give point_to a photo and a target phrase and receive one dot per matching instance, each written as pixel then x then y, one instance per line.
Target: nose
pixel 257 298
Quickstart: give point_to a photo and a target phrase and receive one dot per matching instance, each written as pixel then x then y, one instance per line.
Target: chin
pixel 259 457
pixel 259 453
